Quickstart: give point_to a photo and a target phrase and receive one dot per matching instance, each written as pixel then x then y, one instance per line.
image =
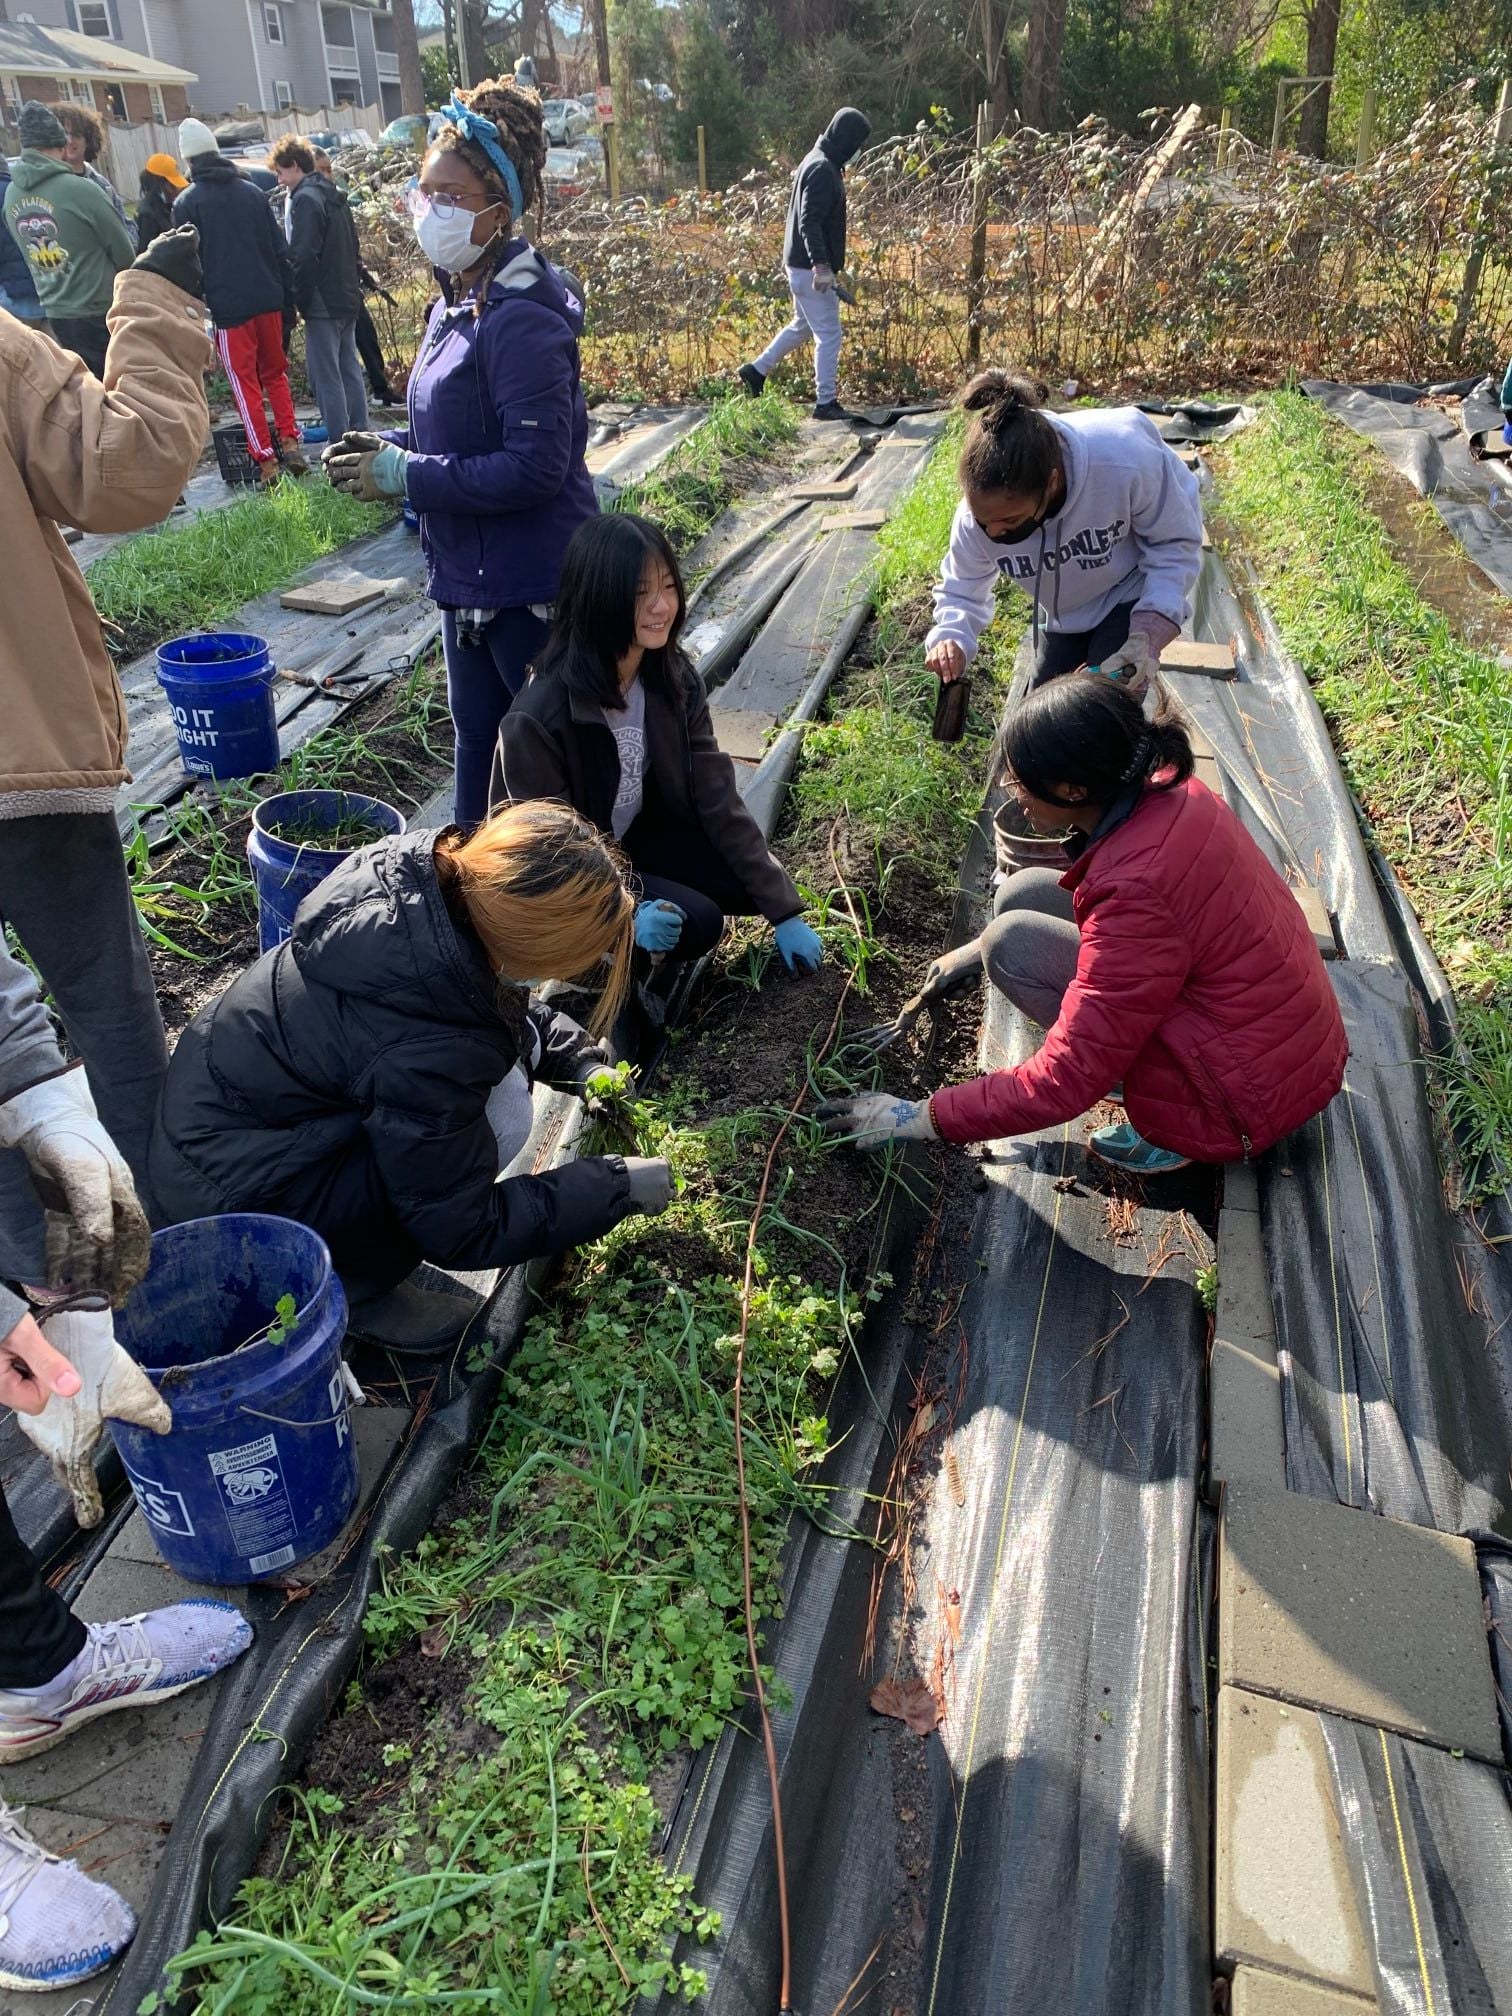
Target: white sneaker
pixel 57 1925
pixel 124 1664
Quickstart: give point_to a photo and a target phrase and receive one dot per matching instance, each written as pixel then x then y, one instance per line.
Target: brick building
pixel 124 86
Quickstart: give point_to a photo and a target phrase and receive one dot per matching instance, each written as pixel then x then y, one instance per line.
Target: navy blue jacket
pixel 498 426
pixel 18 293
pixel 242 250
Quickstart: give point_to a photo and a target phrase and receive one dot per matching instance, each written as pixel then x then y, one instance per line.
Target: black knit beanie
pixel 39 127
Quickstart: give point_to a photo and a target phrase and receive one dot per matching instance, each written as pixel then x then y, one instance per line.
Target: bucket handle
pixel 326 1421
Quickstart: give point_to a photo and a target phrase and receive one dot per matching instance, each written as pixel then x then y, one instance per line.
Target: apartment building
pixel 257 55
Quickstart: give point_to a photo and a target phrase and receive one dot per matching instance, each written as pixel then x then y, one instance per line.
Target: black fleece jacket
pixel 323 251
pixel 816 208
pixel 245 260
pixel 343 1079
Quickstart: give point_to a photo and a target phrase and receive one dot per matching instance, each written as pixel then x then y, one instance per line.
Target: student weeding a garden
pixel 615 724
pixel 1170 966
pixel 492 458
pixel 1090 513
pixel 371 1076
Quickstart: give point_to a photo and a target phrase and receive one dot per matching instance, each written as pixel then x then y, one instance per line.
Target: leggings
pixel 674 863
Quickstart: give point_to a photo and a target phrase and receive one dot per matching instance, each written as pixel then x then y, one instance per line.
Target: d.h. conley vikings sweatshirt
pixel 1129 531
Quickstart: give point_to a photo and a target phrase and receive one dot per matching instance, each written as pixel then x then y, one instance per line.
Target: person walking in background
pixel 248 286
pixel 74 242
pixel 18 291
pixel 107 457
pixel 369 349
pixel 493 456
pixel 82 151
pixel 814 255
pixel 157 190
pixel 325 261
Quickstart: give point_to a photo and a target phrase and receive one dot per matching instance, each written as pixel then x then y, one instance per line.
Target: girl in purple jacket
pixel 492 458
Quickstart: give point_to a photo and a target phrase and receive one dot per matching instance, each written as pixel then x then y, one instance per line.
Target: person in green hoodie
pixel 74 242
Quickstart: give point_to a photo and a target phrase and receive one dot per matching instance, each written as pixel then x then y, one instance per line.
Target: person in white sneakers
pixel 57 1925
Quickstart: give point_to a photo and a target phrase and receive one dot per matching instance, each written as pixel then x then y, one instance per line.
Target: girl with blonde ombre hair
pixel 371 1077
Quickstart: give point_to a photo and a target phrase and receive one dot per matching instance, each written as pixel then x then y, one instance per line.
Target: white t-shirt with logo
pixel 627 725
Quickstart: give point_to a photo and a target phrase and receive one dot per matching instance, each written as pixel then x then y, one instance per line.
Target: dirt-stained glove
pixel 1133 664
pixel 824 279
pixel 876 1119
pixel 112 1387
pixel 366 466
pixel 98 1237
pixel 650 1184
pixel 175 256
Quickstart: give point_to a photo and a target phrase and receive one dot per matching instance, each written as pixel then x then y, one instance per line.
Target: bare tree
pixel 407 47
pixel 1322 42
pixel 1042 61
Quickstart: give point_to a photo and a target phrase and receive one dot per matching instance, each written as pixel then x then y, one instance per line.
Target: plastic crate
pixel 232 454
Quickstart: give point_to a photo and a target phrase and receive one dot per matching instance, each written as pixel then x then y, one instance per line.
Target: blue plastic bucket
pixel 286 872
pixel 316 435
pixel 410 516
pixel 259 1470
pixel 220 687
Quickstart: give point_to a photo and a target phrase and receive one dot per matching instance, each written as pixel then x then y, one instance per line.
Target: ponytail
pixel 1011 442
pixel 1088 731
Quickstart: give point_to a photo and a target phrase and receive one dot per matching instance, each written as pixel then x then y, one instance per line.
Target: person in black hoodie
pixel 327 268
pixel 158 188
pixel 814 255
pixel 247 283
pixel 370 1077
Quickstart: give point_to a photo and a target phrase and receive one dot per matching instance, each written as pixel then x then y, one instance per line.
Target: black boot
pixel 753 380
pixel 419 1321
pixel 832 410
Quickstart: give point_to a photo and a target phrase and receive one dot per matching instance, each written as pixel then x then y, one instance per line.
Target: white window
pixel 71 92
pixel 94 18
pixel 155 104
pixel 283 95
pixel 273 16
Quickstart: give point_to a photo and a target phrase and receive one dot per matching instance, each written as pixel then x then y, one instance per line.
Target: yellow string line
pixel 1333 1270
pixel 1412 1909
pixel 1375 1245
pixel 983 1662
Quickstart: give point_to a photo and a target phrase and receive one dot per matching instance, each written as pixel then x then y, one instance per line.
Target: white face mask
pixel 448 241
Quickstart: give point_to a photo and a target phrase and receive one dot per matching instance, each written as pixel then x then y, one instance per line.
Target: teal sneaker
pixel 1123 1148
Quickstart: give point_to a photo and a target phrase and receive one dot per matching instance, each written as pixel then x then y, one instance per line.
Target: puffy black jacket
pixel 816 208
pixel 343 1079
pixel 323 251
pixel 155 200
pixel 245 259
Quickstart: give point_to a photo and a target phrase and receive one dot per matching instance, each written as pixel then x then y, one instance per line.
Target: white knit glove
pixel 875 1119
pixel 113 1387
pixel 98 1238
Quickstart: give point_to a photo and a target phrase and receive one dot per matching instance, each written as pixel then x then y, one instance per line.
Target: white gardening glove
pixel 98 1238
pixel 876 1119
pixel 112 1386
pixel 1134 664
pixel 824 279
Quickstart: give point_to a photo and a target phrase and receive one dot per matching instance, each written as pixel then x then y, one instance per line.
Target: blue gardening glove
pixel 658 925
pixel 799 945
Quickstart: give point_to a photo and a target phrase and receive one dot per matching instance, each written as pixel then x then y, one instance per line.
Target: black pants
pixel 86 336
pixel 39 1634
pixel 65 893
pixel 674 863
pixel 1068 650
pixel 370 350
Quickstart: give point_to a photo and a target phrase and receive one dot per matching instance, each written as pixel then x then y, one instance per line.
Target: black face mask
pixel 1021 532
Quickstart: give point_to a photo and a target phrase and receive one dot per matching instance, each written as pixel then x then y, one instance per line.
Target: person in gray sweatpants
pixel 326 265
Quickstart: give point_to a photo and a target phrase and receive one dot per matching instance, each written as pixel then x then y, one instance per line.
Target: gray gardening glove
pixel 650 1184
pixel 98 1238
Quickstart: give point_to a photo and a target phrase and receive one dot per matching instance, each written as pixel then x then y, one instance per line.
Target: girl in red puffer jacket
pixel 1170 959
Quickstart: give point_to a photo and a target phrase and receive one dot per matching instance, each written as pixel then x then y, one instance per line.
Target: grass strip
pixel 705 472
pixel 166 582
pixel 1422 723
pixel 504 1858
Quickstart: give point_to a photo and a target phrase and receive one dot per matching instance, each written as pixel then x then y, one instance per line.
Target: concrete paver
pixel 1246 1437
pixel 1369 1617
pixel 1282 1894
pixel 1258 1992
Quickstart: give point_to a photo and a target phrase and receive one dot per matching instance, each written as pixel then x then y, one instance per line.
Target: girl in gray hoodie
pixel 1090 513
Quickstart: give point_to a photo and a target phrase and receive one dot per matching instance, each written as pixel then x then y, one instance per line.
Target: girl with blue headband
pixel 492 457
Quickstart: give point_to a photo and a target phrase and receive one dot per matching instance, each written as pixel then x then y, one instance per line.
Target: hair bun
pixel 997 395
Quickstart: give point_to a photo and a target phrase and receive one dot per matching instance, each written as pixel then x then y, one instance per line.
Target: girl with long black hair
pixel 615 724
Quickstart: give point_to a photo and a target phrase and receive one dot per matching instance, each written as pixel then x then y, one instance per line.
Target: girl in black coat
pixel 614 723
pixel 370 1077
pixel 159 185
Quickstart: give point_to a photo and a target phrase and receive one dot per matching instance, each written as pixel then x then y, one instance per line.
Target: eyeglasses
pixel 441 203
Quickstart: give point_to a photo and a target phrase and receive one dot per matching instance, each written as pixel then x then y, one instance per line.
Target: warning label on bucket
pixel 253 1497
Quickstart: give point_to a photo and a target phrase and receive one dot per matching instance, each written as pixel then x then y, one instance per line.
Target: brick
pixel 1369 1617
pixel 742 734
pixel 1197 654
pixel 1313 908
pixel 1282 1890
pixel 1258 1992
pixel 853 521
pixel 1241 1187
pixel 1246 1434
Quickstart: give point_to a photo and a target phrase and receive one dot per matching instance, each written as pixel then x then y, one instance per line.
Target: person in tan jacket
pixel 107 455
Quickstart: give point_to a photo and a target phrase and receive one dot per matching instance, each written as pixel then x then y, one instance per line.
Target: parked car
pixel 565 119
pixel 410 129
pixel 564 174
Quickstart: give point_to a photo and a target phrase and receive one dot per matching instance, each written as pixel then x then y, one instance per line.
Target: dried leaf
pixel 433 1642
pixel 907 1701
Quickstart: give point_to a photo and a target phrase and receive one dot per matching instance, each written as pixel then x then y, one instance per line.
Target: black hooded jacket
pixel 816 208
pixel 245 260
pixel 155 199
pixel 323 251
pixel 343 1081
